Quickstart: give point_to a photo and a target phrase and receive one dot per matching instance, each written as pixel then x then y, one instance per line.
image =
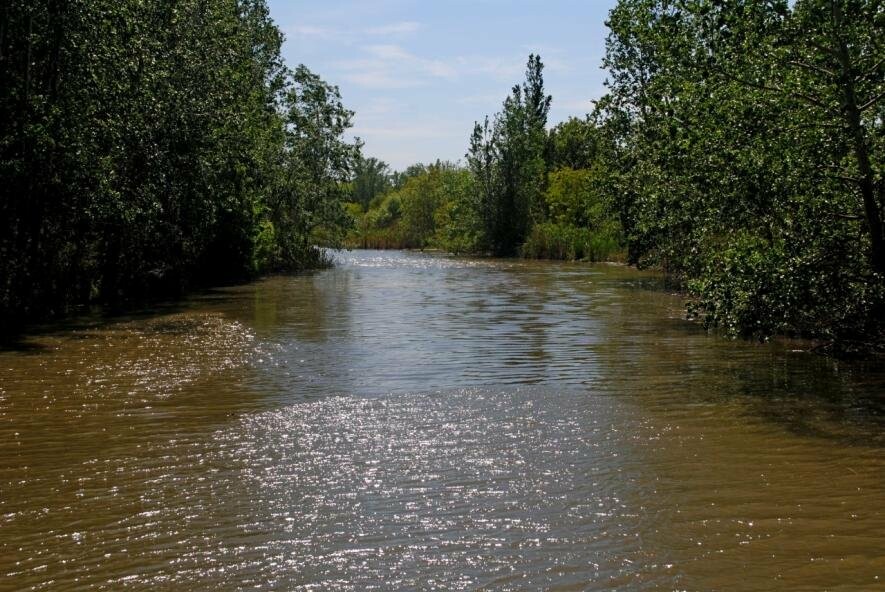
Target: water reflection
pixel 414 421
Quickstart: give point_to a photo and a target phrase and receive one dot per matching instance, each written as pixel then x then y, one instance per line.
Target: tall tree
pixel 143 147
pixel 746 145
pixel 371 179
pixel 316 166
pixel 508 158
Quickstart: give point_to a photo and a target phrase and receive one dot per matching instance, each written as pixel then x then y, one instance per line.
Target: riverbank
pixel 157 291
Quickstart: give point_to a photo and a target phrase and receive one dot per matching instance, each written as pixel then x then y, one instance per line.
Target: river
pixel 414 421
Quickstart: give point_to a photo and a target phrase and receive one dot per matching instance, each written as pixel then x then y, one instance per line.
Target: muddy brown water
pixel 408 421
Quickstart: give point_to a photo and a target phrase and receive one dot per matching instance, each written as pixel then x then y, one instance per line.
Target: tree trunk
pixel 852 115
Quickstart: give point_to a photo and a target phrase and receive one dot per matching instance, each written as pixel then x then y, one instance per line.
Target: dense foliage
pixel 507 158
pixel 430 207
pixel 524 190
pixel 145 146
pixel 372 178
pixel 148 146
pixel 739 147
pixel 748 145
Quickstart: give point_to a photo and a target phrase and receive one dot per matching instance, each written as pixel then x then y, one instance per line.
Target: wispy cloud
pixel 503 69
pixel 401 28
pixel 314 32
pixel 397 56
pixel 351 36
pixel 416 132
pixel 554 58
pixel 379 79
pixel 391 66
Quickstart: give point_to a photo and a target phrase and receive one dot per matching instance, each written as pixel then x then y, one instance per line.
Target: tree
pixel 315 168
pixel 574 144
pixel 399 178
pixel 739 136
pixel 508 159
pixel 371 179
pixel 835 68
pixel 148 146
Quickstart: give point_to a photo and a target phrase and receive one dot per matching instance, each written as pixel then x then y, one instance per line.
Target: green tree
pixel 314 170
pixel 371 180
pixel 399 178
pixel 574 144
pixel 508 160
pixel 145 147
pixel 736 159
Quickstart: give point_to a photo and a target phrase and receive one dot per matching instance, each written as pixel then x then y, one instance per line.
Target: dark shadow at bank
pixel 77 322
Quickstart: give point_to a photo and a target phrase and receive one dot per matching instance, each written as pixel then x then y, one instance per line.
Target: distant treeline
pixel 149 146
pixel 524 190
pixel 740 147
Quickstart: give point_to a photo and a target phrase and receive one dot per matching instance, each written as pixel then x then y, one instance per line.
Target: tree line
pixel 150 146
pixel 739 147
pixel 748 157
pixel 146 147
pixel 523 190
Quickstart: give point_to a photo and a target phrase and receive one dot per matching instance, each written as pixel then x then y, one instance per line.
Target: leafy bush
pixel 754 288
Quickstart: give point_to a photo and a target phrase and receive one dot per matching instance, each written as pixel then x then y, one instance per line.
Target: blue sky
pixel 418 73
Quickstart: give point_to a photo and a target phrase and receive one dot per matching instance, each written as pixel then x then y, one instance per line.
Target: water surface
pixel 408 421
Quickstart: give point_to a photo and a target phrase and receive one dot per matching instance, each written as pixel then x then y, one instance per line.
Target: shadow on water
pixel 656 357
pixel 817 397
pixel 406 417
pixel 806 394
pixel 417 322
pixel 80 324
pixel 85 319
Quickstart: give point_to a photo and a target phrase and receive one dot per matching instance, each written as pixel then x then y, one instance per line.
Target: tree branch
pixel 812 67
pixel 805 97
pixel 847 178
pixel 824 49
pixel 872 101
pixel 815 126
pixel 870 71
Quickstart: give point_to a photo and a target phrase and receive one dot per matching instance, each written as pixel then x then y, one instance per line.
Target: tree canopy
pixel 739 146
pixel 145 147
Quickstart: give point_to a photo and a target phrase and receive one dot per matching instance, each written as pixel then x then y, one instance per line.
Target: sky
pixel 419 73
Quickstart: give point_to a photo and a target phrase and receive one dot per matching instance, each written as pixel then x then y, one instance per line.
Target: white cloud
pixel 350 36
pixel 391 66
pixel 380 79
pixel 505 69
pixel 399 57
pixel 310 31
pixel 401 28
pixel 389 52
pixel 554 58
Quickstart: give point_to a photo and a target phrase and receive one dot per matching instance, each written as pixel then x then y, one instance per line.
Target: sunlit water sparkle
pixel 409 421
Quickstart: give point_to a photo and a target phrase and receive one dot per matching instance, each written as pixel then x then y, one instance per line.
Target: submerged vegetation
pixel 147 147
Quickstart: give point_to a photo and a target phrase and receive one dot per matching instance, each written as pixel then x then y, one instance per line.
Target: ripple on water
pixel 412 421
pixel 460 489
